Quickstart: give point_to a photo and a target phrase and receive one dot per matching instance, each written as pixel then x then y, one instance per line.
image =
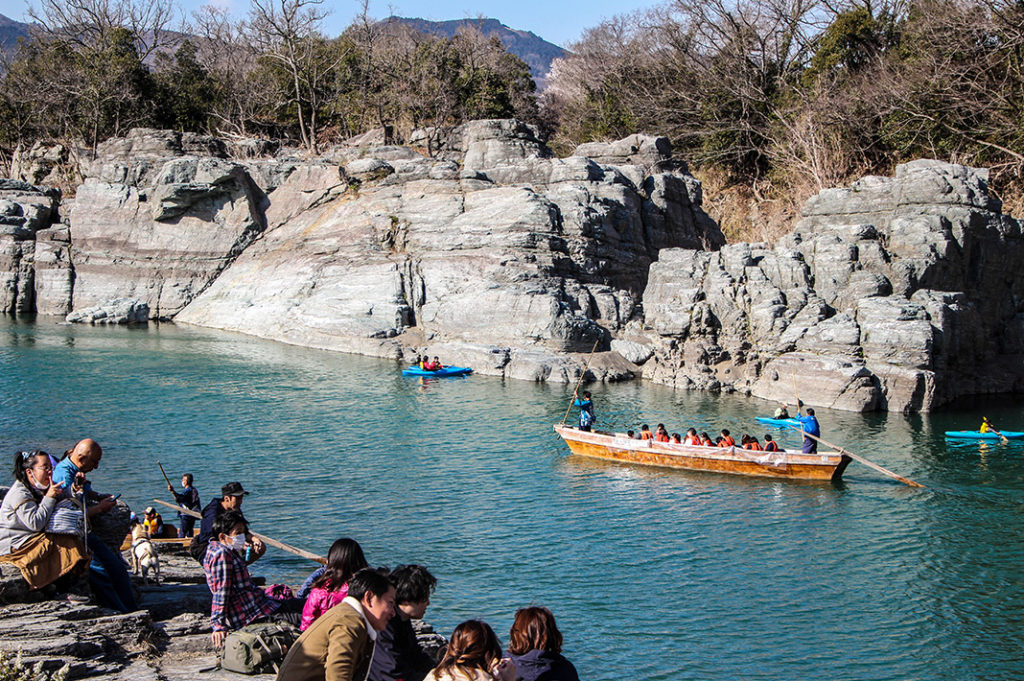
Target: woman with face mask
pixel 24 514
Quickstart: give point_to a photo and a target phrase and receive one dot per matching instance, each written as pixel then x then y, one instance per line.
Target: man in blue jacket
pixel 809 426
pixel 586 410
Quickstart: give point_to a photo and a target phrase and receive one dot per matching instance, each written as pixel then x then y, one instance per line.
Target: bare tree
pixel 91 24
pixel 287 32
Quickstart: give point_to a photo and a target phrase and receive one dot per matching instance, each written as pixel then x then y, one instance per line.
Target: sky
pixel 557 21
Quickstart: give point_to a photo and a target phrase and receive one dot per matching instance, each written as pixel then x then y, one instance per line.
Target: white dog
pixel 144 555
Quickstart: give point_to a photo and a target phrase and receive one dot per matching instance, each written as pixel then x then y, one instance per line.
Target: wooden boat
pixel 732 460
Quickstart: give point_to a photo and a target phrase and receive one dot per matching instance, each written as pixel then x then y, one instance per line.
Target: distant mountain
pixel 532 49
pixel 10 31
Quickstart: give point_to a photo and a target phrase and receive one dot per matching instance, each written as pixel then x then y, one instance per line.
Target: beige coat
pixel 338 646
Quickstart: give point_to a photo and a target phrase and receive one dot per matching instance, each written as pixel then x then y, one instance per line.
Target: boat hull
pixel 975 435
pixel 440 373
pixel 731 460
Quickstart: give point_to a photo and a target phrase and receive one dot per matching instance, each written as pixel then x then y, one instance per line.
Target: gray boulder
pixel 114 311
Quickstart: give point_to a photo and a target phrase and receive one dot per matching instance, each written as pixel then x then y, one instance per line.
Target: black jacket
pixel 538 665
pixel 397 655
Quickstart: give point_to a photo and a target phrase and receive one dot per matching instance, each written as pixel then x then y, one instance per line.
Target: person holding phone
pixel 108 574
pixel 24 515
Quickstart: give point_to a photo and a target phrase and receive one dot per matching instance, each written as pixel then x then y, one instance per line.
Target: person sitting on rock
pixel 25 512
pixel 726 439
pixel 343 560
pixel 661 434
pixel 535 646
pixel 237 601
pixel 473 654
pixel 769 443
pixel 232 495
pixel 339 645
pixel 397 655
pixel 645 432
pixel 782 412
pixel 108 574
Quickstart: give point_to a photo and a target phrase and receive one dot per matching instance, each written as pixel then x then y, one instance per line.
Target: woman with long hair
pixel 343 560
pixel 535 645
pixel 24 515
pixel 473 654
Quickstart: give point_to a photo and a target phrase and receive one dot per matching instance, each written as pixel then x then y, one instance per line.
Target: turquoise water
pixel 652 574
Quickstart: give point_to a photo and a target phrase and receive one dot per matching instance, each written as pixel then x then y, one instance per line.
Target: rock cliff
pixel 896 293
pixel 476 244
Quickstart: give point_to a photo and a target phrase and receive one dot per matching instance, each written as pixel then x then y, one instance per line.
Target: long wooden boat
pixel 732 460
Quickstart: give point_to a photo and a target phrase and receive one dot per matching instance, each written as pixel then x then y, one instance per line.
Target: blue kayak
pixel 447 371
pixel 781 423
pixel 977 435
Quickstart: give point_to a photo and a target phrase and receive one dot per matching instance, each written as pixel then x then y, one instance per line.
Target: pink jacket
pixel 319 601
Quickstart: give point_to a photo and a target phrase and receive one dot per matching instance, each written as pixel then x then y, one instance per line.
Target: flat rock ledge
pixel 167 640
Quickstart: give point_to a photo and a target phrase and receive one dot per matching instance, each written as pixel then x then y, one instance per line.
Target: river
pixel 652 574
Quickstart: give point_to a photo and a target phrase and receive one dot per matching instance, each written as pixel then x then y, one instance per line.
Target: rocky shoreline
pixel 895 294
pixel 167 640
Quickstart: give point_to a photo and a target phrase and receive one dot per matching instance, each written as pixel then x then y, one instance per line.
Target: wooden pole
pixel 166 479
pixel 870 464
pixel 580 382
pixel 262 537
pixel 992 428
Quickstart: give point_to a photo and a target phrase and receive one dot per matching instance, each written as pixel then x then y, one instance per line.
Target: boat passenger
pixel 343 560
pixel 435 365
pixel 24 515
pixel 726 440
pixel 676 438
pixel 753 444
pixel 396 654
pixel 691 437
pixel 630 434
pixel 535 646
pixel 473 654
pixel 586 406
pixel 645 432
pixel 153 522
pixel 809 425
pixel 705 440
pixel 985 425
pixel 661 435
pixel 769 443
pixel 782 412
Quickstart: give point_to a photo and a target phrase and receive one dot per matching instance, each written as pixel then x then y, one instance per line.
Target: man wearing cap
pixel 230 500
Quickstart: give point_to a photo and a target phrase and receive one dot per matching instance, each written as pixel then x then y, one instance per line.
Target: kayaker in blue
pixel 809 425
pixel 586 410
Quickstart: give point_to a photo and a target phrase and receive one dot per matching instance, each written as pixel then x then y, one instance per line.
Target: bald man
pixel 108 574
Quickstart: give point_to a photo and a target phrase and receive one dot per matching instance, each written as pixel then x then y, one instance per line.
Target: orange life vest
pixel 692 440
pixel 727 441
pixel 771 446
pixel 662 437
pixel 646 435
pixel 755 446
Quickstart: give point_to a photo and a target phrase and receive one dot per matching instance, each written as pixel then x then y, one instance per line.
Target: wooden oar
pixel 262 537
pixel 580 382
pixel 870 464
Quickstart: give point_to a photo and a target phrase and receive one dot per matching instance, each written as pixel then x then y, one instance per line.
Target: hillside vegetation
pixel 769 100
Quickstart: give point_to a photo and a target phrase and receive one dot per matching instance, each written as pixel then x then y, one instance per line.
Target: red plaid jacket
pixel 236 600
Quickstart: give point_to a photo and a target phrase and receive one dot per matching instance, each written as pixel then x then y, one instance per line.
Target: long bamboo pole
pixel 580 382
pixel 262 537
pixel 870 464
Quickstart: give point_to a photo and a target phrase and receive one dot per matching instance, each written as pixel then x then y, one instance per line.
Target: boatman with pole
pixel 810 429
pixel 586 410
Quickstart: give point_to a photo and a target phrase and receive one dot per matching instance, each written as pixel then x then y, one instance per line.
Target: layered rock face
pixel 27 214
pixel 510 259
pixel 897 293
